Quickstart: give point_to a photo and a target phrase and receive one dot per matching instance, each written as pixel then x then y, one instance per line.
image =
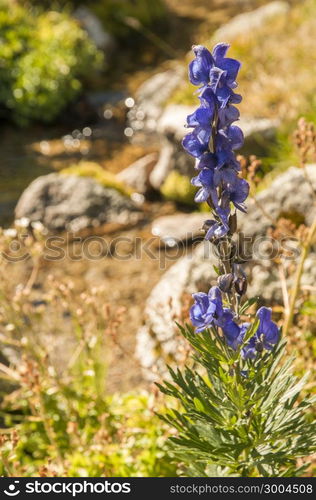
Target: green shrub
pixel 43 60
pixel 77 434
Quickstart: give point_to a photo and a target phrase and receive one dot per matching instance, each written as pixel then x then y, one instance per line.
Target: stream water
pixel 38 150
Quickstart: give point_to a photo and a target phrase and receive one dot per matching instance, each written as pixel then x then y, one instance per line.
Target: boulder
pixel 172 121
pixel 265 281
pixel 137 174
pixel 71 203
pixel 164 165
pixel 174 229
pixel 252 20
pixel 289 195
pixel 152 95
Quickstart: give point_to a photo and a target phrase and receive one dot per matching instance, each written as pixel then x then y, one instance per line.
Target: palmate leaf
pixel 244 416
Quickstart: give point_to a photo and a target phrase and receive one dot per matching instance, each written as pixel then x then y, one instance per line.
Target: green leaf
pixel 198 404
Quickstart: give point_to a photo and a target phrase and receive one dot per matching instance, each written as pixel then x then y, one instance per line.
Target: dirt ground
pixel 127 265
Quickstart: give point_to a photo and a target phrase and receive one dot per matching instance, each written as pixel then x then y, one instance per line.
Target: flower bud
pixel 241 285
pixel 225 282
pixel 240 280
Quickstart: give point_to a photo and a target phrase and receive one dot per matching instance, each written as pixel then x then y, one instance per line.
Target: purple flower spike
pixel 213 142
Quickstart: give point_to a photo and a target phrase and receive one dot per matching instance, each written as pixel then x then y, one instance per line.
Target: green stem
pixel 297 279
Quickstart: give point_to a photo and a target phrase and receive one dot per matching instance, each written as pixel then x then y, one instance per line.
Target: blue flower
pixel 203 117
pixel 207 160
pixel 234 333
pixel 226 64
pixel 217 230
pixel 196 143
pixel 206 309
pixel 199 68
pixel 250 351
pixel 205 181
pixel 230 138
pixel 238 193
pixel 227 116
pixel 265 337
pixel 234 189
pixel 268 332
pixel 212 142
pixel 214 69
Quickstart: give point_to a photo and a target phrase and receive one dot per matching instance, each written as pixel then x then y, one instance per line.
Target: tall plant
pixel 241 410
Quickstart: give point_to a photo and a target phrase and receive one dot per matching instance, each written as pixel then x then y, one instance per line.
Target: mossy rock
pixel 94 170
pixel 178 188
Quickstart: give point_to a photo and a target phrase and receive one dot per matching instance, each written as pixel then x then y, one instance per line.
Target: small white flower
pixel 10 233
pixel 38 226
pixel 23 222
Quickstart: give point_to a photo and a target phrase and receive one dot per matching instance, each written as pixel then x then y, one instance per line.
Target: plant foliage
pixel 44 58
pixel 239 417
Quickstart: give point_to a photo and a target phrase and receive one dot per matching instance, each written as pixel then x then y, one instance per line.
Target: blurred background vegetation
pixel 44 58
pixel 73 398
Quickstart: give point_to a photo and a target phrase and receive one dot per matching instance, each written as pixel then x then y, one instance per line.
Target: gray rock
pixel 172 229
pixel 266 280
pixel 164 165
pixel 156 341
pixel 152 95
pixel 266 127
pixel 92 24
pixel 251 20
pixel 137 174
pixel 288 195
pixel 172 121
pixel 72 203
